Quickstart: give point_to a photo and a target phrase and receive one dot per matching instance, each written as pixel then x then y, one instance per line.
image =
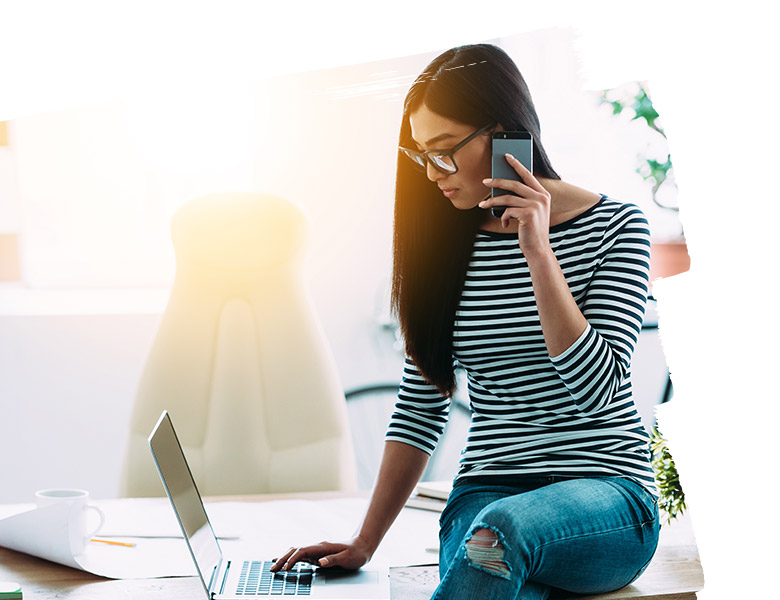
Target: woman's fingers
pixel 325 554
pixel 507 200
pixel 299 555
pixel 529 187
pixel 333 560
pixel 522 200
pixel 280 562
pixel 292 556
pixel 311 554
pixel 521 216
pixel 286 561
pixel 511 186
pixel 526 175
pixel 349 558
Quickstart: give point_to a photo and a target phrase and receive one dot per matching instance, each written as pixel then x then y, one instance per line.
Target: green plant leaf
pixel 643 108
pixel 667 478
pixel 617 105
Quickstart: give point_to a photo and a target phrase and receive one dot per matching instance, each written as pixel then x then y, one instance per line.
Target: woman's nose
pixel 433 173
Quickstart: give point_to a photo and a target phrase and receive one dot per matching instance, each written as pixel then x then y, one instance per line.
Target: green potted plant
pixel 669 257
pixel 672 501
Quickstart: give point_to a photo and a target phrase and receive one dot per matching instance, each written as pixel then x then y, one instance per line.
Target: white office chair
pixel 240 360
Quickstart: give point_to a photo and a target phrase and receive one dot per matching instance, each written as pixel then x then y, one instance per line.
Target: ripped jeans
pixel 528 537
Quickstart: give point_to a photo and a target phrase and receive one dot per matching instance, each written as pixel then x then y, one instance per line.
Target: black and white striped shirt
pixel 571 415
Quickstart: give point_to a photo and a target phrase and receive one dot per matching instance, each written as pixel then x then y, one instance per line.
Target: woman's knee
pixel 485 549
pixel 493 543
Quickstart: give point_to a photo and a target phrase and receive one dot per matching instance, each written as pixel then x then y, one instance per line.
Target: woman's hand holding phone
pixel 519 144
pixel 528 202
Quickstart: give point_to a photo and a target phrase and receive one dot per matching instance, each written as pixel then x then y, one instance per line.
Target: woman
pixel 542 307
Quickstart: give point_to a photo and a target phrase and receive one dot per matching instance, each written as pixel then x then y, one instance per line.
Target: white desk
pixel 329 515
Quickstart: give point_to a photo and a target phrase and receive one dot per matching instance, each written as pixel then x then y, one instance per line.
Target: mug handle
pixel 102 516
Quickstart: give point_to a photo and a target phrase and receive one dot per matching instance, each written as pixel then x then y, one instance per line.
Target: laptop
pixel 239 576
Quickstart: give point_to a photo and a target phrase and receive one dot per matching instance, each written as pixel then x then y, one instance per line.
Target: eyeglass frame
pixel 408 152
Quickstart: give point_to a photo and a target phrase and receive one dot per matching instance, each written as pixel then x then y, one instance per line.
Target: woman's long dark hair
pixel 432 241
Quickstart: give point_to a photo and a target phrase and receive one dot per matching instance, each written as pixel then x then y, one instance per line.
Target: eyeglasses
pixel 442 160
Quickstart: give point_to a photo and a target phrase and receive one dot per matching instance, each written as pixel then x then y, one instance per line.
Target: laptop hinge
pixel 224 579
pixel 214 573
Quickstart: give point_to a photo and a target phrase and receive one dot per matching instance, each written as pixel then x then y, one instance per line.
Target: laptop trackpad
pixel 337 576
pixel 340 583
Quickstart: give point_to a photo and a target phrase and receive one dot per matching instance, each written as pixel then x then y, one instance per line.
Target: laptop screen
pixel 180 486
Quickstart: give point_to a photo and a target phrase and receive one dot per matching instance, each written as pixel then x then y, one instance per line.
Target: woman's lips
pixel 449 192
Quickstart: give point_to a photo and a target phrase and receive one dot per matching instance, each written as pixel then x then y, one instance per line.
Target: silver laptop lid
pixel 187 504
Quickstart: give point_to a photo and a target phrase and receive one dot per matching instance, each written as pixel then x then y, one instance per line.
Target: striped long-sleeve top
pixel 570 415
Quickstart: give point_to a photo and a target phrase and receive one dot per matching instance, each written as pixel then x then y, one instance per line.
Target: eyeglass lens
pixel 442 162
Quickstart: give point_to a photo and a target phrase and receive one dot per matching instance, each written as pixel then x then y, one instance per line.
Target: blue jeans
pixel 525 538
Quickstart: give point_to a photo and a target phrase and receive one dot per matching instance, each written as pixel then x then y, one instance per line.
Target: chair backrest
pixel 240 360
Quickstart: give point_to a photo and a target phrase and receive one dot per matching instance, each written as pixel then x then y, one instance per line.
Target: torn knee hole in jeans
pixel 485 550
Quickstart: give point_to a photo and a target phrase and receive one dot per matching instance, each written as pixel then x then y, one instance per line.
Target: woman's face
pixel 431 131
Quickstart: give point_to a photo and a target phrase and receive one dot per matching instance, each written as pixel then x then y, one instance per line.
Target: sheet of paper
pixel 149 558
pixel 45 533
pixel 42 532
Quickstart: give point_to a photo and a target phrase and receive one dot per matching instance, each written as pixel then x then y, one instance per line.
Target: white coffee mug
pixel 79 527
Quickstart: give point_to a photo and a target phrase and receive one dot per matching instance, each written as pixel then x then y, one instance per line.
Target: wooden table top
pixel 676 566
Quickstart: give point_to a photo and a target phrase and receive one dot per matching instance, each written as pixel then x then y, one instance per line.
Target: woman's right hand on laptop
pixel 351 555
pixel 399 472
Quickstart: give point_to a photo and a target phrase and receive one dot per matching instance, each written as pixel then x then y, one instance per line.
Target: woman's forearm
pixel 401 468
pixel 562 321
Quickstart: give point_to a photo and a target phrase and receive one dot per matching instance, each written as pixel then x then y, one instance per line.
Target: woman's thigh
pixel 582 535
pixel 464 504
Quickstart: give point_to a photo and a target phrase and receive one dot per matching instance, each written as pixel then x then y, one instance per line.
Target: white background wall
pixel 97 186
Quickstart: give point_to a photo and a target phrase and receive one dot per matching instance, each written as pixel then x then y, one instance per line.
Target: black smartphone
pixel 520 145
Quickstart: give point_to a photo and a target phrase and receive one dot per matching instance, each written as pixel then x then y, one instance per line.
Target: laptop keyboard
pixel 257 580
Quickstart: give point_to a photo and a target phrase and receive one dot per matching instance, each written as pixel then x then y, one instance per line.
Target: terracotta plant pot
pixel 667 259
